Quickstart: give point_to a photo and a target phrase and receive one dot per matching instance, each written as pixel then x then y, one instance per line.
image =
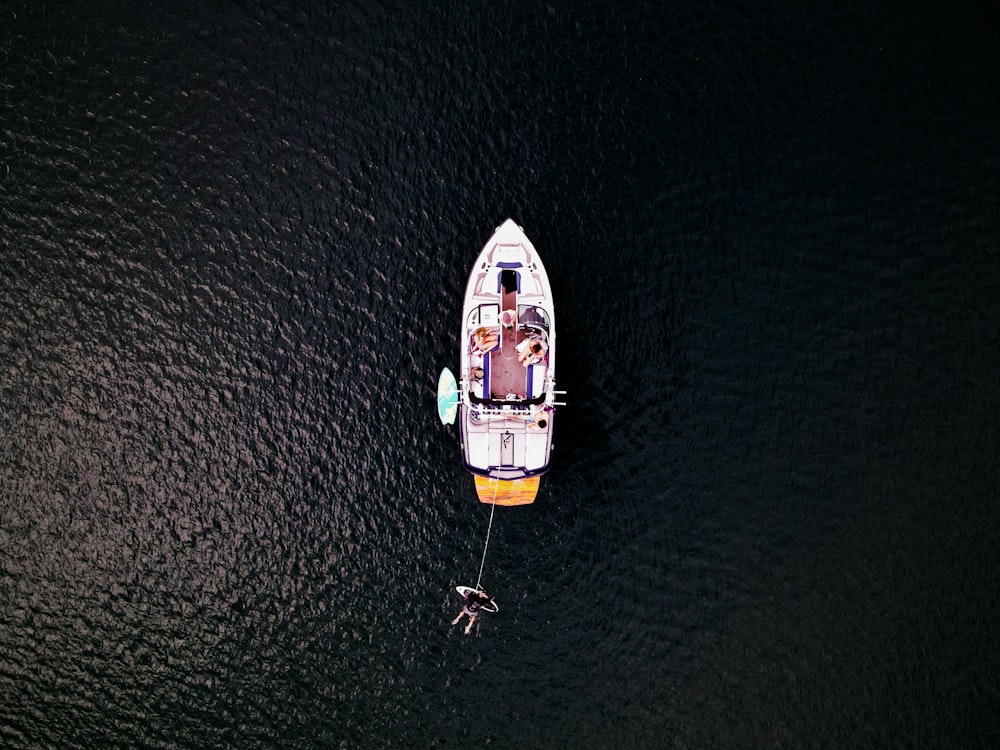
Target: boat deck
pixel 507 375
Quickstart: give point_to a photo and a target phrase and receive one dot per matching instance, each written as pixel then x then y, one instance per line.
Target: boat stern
pixel 507 492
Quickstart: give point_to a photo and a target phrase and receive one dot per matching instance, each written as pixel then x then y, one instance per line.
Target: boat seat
pixel 534 332
pixel 474 347
pixel 534 384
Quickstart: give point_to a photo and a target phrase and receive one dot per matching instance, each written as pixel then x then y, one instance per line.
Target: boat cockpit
pixel 508 355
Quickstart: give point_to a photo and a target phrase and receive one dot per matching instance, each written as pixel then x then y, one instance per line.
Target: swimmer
pixel 473 603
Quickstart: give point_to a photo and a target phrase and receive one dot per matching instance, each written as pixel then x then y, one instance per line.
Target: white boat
pixel 507 377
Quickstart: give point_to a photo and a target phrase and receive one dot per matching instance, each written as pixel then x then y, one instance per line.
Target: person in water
pixel 471 606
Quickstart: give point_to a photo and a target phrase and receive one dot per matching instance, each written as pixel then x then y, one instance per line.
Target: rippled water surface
pixel 233 240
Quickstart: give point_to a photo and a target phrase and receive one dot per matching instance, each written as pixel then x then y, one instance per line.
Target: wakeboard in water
pixel 490 606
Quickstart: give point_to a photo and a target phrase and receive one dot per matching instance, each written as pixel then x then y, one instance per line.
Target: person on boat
pixel 471 606
pixel 508 318
pixel 539 420
pixel 485 339
pixel 530 352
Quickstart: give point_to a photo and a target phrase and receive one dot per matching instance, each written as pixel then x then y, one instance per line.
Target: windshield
pixel 533 316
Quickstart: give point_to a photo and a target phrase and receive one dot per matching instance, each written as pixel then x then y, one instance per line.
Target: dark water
pixel 233 239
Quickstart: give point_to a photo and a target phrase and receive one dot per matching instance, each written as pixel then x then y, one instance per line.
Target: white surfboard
pixel 447 397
